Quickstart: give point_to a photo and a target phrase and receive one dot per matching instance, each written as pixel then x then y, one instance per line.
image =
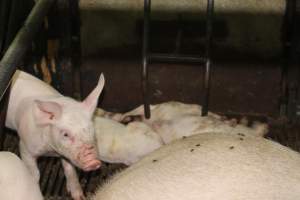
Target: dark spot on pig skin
pixel 241 138
pixel 192 150
pixel 241 134
pixel 154 160
pixel 232 147
pixel 197 145
pixel 132 118
pixel 183 137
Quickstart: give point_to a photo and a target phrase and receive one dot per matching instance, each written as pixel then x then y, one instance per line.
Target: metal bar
pixel 16 50
pixel 76 48
pixel 286 64
pixel 3 111
pixel 209 28
pixel 147 9
pixel 15 20
pixel 4 18
pixel 176 58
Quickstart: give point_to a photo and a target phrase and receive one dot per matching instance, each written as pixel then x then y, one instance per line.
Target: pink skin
pixel 88 158
pixel 33 107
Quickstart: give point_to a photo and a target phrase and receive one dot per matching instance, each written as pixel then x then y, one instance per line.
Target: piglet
pixel 119 143
pixel 16 182
pixel 51 124
pixel 159 112
pixel 187 125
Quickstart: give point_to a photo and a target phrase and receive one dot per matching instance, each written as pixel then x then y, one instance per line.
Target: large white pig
pixel 210 166
pixel 51 124
pixel 16 182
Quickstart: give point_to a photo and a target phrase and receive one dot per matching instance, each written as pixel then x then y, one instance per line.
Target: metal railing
pixel 23 39
pixel 155 57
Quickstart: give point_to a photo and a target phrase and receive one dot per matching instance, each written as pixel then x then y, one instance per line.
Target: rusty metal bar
pixel 22 41
pixel 147 10
pixel 209 31
pixel 176 58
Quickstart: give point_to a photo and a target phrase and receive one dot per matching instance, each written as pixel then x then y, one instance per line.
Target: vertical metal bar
pixel 209 28
pixel 76 48
pixel 3 111
pixel 22 41
pixel 147 10
pixel 5 6
pixel 286 42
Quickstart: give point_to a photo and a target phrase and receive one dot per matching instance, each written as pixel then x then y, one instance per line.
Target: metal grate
pixel 149 57
pixel 52 180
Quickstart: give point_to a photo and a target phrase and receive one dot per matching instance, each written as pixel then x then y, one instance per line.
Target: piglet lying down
pixel 49 123
pixel 177 116
pixel 188 125
pixel 119 143
pixel 210 166
pixel 163 111
pixel 16 182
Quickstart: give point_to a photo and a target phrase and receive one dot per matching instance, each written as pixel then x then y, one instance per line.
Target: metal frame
pixel 155 57
pixel 21 42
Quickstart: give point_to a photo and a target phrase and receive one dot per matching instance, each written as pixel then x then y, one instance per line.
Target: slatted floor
pixel 52 178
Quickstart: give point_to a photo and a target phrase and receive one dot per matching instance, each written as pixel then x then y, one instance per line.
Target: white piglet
pixel 163 111
pixel 51 124
pixel 16 182
pixel 119 143
pixel 187 125
pixel 210 166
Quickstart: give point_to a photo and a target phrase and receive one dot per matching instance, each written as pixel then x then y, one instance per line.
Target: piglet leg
pixel 30 161
pixel 73 185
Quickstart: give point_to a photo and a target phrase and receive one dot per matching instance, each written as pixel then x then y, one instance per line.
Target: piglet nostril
pixel 92 165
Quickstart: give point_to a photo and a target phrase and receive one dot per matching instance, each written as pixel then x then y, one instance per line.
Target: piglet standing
pixel 16 182
pixel 51 124
pixel 210 166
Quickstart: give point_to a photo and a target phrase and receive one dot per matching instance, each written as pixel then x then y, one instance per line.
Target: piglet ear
pixel 91 101
pixel 47 112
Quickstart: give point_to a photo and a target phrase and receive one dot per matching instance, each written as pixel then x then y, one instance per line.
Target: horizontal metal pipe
pixel 22 41
pixel 196 6
pixel 176 58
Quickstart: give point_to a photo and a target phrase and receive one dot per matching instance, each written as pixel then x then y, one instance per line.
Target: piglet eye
pixel 65 134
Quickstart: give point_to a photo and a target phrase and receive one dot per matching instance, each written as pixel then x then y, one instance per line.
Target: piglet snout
pixel 88 158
